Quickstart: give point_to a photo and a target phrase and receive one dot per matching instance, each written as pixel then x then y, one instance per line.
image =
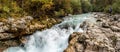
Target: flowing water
pixel 54 39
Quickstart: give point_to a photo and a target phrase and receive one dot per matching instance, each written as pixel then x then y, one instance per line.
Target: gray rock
pixel 102 36
pixel 115 28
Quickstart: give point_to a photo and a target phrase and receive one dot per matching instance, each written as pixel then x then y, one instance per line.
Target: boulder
pixel 115 28
pixel 13 29
pixel 102 36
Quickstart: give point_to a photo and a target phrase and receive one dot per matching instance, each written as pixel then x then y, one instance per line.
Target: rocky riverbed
pixel 100 36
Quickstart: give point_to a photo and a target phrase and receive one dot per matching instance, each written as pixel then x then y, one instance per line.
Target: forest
pixel 55 8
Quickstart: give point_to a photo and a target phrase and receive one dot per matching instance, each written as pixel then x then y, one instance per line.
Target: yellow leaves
pixel 42 1
pixel 14 7
pixel 59 13
pixel 46 1
pixel 10 8
pixel 0 6
pixel 6 8
pixel 47 6
pixel 35 0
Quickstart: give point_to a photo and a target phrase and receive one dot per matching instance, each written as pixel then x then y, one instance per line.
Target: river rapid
pixel 54 39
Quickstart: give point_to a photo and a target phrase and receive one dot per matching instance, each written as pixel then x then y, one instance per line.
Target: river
pixel 54 39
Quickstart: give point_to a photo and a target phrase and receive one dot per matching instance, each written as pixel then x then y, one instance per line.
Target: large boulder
pixel 76 45
pixel 12 30
pixel 102 36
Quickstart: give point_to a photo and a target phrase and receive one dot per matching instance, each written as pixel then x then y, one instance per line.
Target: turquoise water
pixel 54 39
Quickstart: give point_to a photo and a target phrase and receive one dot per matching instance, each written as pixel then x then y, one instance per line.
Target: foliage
pixel 55 8
pixel 9 9
pixel 86 6
pixel 76 6
pixel 105 5
pixel 38 8
pixel 116 6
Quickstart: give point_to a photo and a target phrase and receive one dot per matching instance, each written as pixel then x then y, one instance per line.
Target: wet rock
pixel 70 49
pixel 99 20
pixel 5 44
pixel 116 29
pixel 105 25
pixel 74 45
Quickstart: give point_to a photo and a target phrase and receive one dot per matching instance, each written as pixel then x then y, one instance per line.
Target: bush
pixel 55 8
pixel 38 8
pixel 64 5
pixel 76 6
pixel 116 6
pixel 86 6
pixel 9 8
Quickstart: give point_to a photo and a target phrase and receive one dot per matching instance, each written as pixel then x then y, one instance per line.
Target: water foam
pixel 54 39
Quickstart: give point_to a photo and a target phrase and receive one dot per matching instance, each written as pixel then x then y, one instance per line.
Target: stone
pixel 102 36
pixel 105 25
pixel 74 46
pixel 118 24
pixel 114 28
pixel 13 29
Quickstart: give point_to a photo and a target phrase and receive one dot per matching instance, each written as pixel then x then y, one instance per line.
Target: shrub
pixel 55 8
pixel 116 6
pixel 9 8
pixel 38 8
pixel 86 6
pixel 76 6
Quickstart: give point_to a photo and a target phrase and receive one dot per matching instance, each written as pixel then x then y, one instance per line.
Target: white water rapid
pixel 54 39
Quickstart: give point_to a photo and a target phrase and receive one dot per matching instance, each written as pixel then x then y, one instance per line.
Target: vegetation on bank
pixel 43 9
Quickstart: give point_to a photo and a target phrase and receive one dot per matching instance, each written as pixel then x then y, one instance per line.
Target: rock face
pixel 76 45
pixel 12 30
pixel 101 36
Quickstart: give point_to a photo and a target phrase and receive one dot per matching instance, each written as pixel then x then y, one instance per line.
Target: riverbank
pixel 101 36
pixel 14 30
